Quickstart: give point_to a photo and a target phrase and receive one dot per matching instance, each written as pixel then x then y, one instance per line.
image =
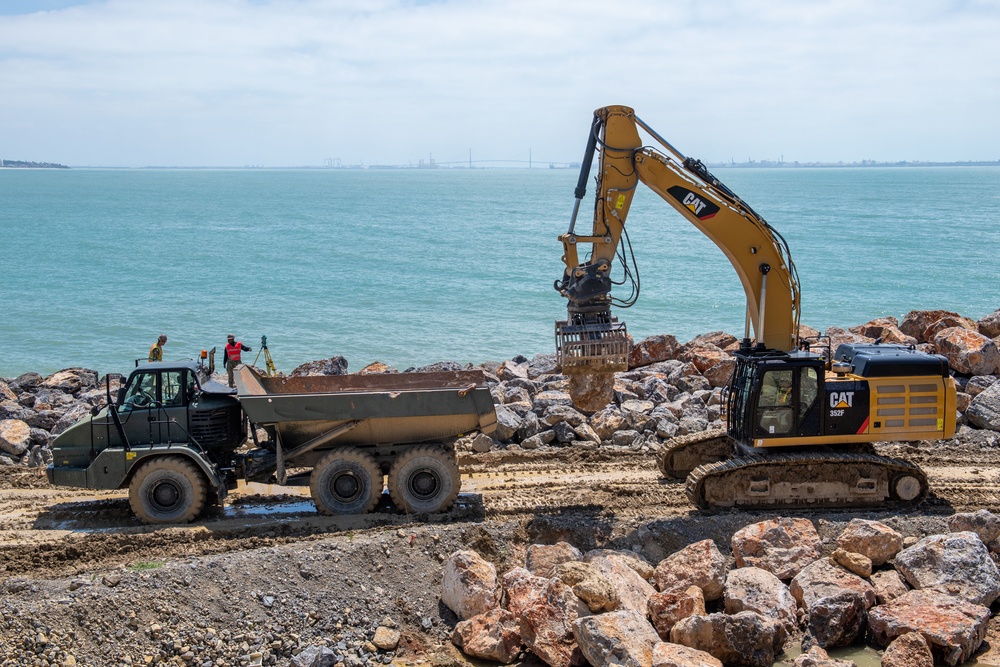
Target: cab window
pixel 141 391
pixel 172 388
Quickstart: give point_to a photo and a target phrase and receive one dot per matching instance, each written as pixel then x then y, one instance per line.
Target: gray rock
pixel 984 411
pixel 333 366
pixel 508 423
pixel 622 638
pixel 746 638
pixel 982 522
pixel 838 620
pixel 956 564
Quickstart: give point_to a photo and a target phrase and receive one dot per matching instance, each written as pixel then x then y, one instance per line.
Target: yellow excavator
pixel 800 420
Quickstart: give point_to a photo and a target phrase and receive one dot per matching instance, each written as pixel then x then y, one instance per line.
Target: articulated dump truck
pixel 179 440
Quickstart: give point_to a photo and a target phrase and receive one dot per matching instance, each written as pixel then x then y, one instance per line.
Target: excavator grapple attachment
pixel 590 354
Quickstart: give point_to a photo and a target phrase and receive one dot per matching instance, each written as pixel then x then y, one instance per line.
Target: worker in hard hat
pixel 156 349
pixel 231 356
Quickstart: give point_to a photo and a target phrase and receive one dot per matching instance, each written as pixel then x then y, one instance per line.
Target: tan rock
pixel 872 539
pixel 909 650
pixel 542 558
pixel 666 654
pixel 652 350
pixel 818 657
pixel 621 638
pixel 547 625
pixel 757 590
pixel 632 590
pixel 968 351
pixel 494 635
pixel 588 584
pixel 856 563
pixel 916 322
pixel 781 546
pixel 15 436
pixel 666 609
pixel 953 627
pixel 822 578
pixel 522 589
pixel 888 585
pixel 386 639
pixel 469 584
pixel 700 564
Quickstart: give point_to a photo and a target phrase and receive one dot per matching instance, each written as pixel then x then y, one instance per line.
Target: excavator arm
pixel 591 341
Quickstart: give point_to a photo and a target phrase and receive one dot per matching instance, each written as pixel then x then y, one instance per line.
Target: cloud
pixel 231 82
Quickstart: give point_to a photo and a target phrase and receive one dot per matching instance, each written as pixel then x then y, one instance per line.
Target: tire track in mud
pixel 50 532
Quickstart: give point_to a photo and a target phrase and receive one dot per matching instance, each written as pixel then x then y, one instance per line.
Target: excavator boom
pixel 591 343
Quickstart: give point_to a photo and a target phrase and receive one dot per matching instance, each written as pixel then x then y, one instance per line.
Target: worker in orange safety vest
pixel 231 356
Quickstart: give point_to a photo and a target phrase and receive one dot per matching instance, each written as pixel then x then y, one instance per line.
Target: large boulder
pixel 888 585
pixel 547 625
pixel 909 650
pixel 508 423
pixel 984 411
pixel 754 589
pixel 542 558
pixel 666 609
pixel 336 365
pixel 700 564
pixel 667 654
pixel 469 584
pixel 494 635
pixel 747 638
pixel 838 620
pixel 953 627
pixel 956 564
pixel 982 522
pixel 886 328
pixel 71 380
pixel 923 324
pixel 652 350
pixel 967 351
pixel 588 584
pixel 622 638
pixel 15 436
pixel 989 325
pixel 607 421
pixel 873 539
pixel 633 590
pixel 781 546
pixel 821 579
pixel 522 589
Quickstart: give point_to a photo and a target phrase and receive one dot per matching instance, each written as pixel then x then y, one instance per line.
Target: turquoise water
pixel 417 266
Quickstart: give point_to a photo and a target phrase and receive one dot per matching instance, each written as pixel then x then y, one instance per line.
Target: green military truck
pixel 179 440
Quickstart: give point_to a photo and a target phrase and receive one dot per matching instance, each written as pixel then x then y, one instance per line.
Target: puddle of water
pixel 303 507
pixel 863 656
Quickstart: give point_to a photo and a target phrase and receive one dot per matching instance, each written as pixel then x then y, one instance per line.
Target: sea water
pixel 411 267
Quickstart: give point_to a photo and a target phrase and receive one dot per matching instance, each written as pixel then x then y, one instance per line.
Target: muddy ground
pixel 82 582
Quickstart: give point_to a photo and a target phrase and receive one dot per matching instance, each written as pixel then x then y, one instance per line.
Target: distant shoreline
pixel 751 164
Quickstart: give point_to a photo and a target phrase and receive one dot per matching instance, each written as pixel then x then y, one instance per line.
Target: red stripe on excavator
pixel 864 427
pixel 707 217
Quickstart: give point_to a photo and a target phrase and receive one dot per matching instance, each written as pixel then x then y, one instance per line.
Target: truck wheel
pixel 167 490
pixel 424 480
pixel 346 481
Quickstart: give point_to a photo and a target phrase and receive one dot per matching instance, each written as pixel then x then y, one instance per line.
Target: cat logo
pixel 702 209
pixel 841 399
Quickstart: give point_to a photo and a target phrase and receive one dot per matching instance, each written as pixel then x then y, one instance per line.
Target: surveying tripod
pixel 268 361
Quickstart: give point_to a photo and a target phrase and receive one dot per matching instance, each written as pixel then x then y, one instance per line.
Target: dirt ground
pixel 82 582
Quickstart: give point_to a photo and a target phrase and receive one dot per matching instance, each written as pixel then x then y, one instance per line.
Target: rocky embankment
pixel 924 601
pixel 671 389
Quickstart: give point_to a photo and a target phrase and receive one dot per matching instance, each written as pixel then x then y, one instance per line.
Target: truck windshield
pixel 141 392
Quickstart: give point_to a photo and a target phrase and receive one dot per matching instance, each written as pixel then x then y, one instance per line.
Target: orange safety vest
pixel 233 351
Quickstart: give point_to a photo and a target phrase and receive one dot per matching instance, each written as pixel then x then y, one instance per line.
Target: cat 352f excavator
pixel 800 424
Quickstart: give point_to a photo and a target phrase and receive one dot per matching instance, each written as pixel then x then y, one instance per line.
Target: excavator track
pixel 680 455
pixel 808 480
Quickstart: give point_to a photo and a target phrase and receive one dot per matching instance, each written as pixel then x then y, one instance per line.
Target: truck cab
pixel 160 405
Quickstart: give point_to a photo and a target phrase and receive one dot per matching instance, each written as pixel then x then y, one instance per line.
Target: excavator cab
pixel 775 395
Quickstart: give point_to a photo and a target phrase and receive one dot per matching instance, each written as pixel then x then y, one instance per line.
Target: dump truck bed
pixel 393 408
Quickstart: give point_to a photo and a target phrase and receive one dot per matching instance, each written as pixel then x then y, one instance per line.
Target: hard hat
pixel 231 336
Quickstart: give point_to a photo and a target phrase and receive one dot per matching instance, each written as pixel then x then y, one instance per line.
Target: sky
pixel 283 83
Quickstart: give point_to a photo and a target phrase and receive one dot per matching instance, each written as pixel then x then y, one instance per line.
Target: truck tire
pixel 424 480
pixel 346 481
pixel 167 489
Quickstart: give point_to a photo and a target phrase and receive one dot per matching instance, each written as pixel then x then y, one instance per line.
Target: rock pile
pixel 671 389
pixel 925 602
